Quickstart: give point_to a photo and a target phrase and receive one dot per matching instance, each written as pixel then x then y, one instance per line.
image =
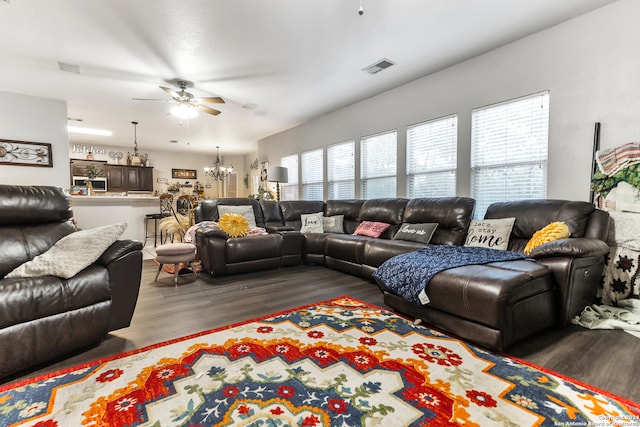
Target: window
pixel 289 191
pixel 431 158
pixel 378 165
pixel 509 151
pixel 312 176
pixel 341 171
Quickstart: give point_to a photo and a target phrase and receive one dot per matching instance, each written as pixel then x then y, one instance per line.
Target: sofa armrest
pixel 123 261
pixel 572 247
pixel 118 249
pixel 213 233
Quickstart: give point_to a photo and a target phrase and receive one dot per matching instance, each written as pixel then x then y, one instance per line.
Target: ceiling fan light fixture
pixel 184 111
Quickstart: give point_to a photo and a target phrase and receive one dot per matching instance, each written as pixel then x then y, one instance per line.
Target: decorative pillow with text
pixel 371 229
pixel 421 233
pixel 311 223
pixel 490 233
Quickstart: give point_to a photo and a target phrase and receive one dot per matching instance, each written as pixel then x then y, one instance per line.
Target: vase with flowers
pixel 91 171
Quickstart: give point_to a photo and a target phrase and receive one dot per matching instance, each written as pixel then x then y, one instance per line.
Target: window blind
pixel 312 175
pixel 378 156
pixel 289 191
pixel 509 147
pixel 432 158
pixel 341 171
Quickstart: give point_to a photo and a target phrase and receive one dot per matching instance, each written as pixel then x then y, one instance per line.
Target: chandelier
pixel 218 172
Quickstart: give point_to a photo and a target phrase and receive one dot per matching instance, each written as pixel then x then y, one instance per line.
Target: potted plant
pixel 91 171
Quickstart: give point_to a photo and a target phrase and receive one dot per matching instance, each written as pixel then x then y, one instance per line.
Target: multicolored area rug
pixel 340 363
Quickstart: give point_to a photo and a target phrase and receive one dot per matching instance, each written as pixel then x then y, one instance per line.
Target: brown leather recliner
pixel 43 318
pixel 222 255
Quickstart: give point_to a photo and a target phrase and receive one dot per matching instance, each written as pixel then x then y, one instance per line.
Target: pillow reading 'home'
pixel 311 223
pixel 72 253
pixel 490 233
pixel 371 229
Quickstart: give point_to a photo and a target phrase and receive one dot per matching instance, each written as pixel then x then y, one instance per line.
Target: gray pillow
pixel 244 210
pixel 416 232
pixel 72 253
pixel 333 224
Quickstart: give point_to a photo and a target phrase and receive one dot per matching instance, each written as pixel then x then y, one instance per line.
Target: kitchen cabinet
pixel 78 167
pixel 129 178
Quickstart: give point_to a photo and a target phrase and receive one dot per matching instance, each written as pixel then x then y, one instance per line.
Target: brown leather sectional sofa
pixel 494 304
pixel 43 318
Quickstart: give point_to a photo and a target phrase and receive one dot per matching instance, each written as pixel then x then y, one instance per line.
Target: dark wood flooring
pixel 609 360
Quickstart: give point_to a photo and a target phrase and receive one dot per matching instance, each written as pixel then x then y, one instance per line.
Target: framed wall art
pixel 184 173
pixel 25 153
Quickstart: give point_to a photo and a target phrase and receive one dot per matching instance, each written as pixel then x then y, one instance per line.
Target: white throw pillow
pixel 311 223
pixel 490 233
pixel 333 224
pixel 244 210
pixel 72 253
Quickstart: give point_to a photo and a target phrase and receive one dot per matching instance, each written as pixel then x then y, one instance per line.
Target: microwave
pixel 99 184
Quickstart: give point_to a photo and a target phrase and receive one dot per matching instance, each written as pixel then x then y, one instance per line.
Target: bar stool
pixel 166 205
pixel 176 253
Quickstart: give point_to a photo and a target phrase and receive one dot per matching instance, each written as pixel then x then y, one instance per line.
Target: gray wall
pixel 590 65
pixel 27 118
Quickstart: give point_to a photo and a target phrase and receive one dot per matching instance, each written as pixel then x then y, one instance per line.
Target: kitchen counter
pixel 96 211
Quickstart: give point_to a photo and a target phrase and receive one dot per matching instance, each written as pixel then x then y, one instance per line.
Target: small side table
pixel 175 253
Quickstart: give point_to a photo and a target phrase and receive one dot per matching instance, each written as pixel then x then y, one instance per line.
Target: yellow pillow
pixel 235 225
pixel 554 231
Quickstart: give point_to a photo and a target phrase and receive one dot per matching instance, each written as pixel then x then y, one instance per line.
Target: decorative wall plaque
pixel 184 173
pixel 24 153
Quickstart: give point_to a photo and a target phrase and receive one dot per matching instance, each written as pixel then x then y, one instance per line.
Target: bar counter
pixel 95 211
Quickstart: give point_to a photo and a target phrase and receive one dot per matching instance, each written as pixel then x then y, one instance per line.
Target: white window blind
pixel 341 171
pixel 432 158
pixel 312 175
pixel 378 156
pixel 509 144
pixel 289 191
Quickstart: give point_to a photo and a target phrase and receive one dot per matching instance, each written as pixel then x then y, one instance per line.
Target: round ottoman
pixel 175 253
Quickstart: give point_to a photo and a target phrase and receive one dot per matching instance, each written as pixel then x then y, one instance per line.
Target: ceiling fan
pixel 185 102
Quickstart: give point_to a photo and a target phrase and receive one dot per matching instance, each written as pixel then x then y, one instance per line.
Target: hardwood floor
pixel 609 360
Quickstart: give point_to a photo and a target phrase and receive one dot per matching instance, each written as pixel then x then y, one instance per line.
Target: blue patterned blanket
pixel 408 275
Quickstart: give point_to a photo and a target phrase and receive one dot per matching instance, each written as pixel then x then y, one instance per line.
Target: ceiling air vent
pixel 70 68
pixel 378 66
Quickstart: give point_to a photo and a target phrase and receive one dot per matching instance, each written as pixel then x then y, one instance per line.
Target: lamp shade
pixel 278 174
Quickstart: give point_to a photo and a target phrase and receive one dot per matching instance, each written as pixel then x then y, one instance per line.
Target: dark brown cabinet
pixel 129 178
pixel 119 177
pixel 78 167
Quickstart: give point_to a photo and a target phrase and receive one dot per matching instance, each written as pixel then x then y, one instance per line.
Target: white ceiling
pixel 293 59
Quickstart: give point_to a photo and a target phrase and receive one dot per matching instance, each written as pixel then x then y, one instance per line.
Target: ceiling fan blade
pixel 150 99
pixel 207 109
pixel 211 100
pixel 170 91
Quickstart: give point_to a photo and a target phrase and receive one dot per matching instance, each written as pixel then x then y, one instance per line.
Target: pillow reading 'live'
pixel 554 231
pixel 333 224
pixel 490 233
pixel 311 223
pixel 421 233
pixel 371 229
pixel 244 210
pixel 72 253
